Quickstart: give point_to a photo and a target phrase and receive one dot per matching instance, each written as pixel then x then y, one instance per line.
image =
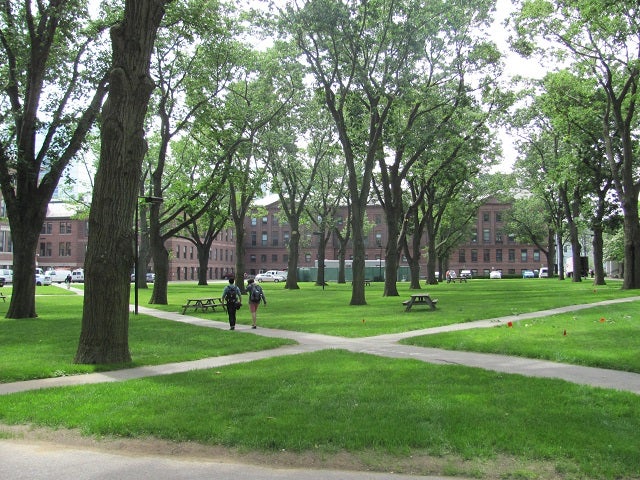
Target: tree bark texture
pixel 110 255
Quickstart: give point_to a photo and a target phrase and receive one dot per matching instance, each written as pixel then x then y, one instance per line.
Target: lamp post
pixel 380 262
pixel 147 199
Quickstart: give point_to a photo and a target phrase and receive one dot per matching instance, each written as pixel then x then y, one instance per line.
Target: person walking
pixel 68 281
pixel 256 294
pixel 232 296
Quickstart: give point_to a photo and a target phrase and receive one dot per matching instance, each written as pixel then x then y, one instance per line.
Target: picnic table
pixel 203 304
pixel 420 299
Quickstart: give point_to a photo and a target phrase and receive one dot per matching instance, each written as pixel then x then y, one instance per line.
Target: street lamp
pixel 147 199
pixel 380 262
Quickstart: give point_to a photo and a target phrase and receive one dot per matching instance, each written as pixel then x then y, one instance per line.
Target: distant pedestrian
pixel 232 297
pixel 256 294
pixel 68 281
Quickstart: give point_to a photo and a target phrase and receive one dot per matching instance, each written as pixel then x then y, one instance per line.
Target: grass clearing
pixel 400 415
pixel 45 346
pixel 334 401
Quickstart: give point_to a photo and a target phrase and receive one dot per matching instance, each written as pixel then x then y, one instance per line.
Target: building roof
pixel 60 210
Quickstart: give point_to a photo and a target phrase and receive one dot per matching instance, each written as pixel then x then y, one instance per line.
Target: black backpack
pixel 256 293
pixel 231 296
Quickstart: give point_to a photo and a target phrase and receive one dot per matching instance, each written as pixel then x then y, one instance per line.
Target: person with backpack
pixel 232 296
pixel 255 295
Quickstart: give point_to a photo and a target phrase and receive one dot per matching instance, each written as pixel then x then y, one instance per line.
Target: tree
pixel 363 56
pixel 54 81
pixel 105 315
pixel 194 62
pixel 601 40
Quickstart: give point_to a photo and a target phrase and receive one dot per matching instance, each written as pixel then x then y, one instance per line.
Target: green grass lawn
pixel 388 412
pixel 312 309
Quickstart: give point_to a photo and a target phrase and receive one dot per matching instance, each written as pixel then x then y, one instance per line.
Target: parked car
pixel 42 279
pixel 544 272
pixel 77 276
pixel 495 274
pixel 58 276
pixel 6 275
pixel 466 274
pixel 281 273
pixel 269 277
pixel 528 274
pixel 150 277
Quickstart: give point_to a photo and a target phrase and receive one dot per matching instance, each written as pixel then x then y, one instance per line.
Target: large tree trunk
pixel 203 263
pixel 159 296
pixel 294 251
pixel 631 247
pixel 25 242
pixel 357 224
pixel 104 336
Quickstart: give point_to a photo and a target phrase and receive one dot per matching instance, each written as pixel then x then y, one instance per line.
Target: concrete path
pixel 34 460
pixel 383 345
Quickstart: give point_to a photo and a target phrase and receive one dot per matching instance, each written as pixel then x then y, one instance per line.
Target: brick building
pixel 492 247
pixel 63 239
pixel 63 243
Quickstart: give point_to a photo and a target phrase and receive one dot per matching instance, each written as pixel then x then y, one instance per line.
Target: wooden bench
pixel 367 282
pixel 420 299
pixel 203 304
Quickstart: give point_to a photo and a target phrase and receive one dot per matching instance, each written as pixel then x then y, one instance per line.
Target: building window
pixel 485 216
pixel 254 238
pixel 474 236
pixel 65 249
pixel 274 239
pixel 474 255
pixel 499 238
pixel 65 228
pixel 486 235
pixel 47 228
pixel 263 258
pixel 512 255
pixel 499 255
pixel 265 239
pixel 486 256
pixel 536 255
pixel 254 221
pixel 285 238
pixel 274 258
pixel 274 220
pixel 252 258
pixel 378 239
pixel 191 252
pixel 498 217
pixel 523 255
pixel 461 255
pixel 265 220
pixel 512 238
pixel 45 249
pixel 307 257
pixel 378 219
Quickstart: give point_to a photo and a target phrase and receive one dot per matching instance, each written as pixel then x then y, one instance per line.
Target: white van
pixel 77 276
pixel 544 272
pixel 281 273
pixel 6 275
pixel 58 276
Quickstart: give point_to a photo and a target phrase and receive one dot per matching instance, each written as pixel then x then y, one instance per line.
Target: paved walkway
pixel 383 345
pixel 35 460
